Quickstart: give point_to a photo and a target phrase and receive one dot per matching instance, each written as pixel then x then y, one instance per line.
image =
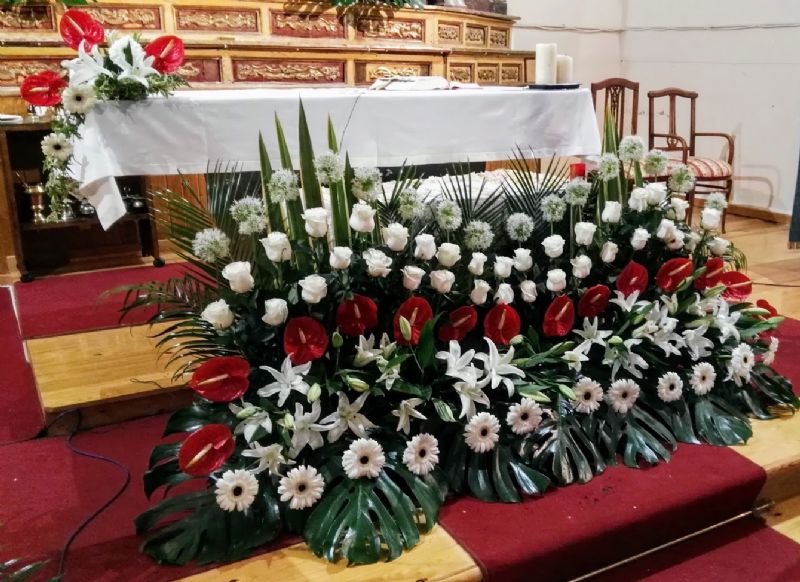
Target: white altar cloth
pixel 194 129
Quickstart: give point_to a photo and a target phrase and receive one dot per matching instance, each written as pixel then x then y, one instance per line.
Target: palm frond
pixel 484 204
pixel 389 203
pixel 524 190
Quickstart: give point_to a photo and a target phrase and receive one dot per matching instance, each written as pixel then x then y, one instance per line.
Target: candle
pixel 577 170
pixel 546 63
pixel 563 69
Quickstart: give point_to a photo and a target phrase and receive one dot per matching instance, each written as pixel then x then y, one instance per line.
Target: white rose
pixel 584 233
pixel 710 218
pixel 448 254
pixel 278 247
pixel 553 246
pixel 639 238
pixel 276 312
pixel 666 229
pixel 378 264
pixel 218 314
pixel 523 260
pixel 340 257
pixel 612 212
pixel 362 217
pixel 609 252
pixel 476 264
pixel 316 222
pixel 239 277
pixel 656 193
pixel 314 289
pixel 679 207
pixel 480 293
pixel 694 238
pixel 426 247
pixel 556 280
pixel 395 236
pixel 528 290
pixel 502 267
pixel 412 277
pixel 718 245
pixel 504 294
pixel 638 200
pixel 676 241
pixel 442 280
pixel 581 266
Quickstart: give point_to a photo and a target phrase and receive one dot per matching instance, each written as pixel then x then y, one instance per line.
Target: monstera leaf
pixel 638 436
pixel 719 423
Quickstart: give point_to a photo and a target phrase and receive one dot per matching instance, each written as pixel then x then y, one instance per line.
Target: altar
pixel 192 131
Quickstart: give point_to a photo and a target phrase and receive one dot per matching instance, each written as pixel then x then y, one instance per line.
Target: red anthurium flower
pixel 167 53
pixel 673 273
pixel 559 317
pixel 77 26
pixel 714 269
pixel 738 286
pixel 501 324
pixel 357 315
pixel 764 304
pixel 205 450
pixel 221 379
pixel 304 340
pixel 462 321
pixel 633 278
pixel 594 301
pixel 418 312
pixel 42 89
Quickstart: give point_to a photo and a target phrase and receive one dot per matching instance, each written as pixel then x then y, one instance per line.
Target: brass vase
pixel 36 193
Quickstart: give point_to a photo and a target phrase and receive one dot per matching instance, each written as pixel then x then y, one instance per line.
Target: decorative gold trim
pixel 251 71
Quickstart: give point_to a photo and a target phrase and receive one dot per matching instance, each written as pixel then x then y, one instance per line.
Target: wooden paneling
pixel 27 18
pixel 216 19
pixel 145 16
pixel 288 71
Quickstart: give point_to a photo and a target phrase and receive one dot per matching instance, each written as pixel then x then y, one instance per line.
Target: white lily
pixel 366 352
pixel 86 67
pixel 574 359
pixel 725 321
pixel 591 334
pixel 697 343
pixel 622 356
pixel 287 379
pixel 627 304
pixel 252 417
pixel 389 374
pixel 470 391
pixel 387 346
pixel 457 363
pixel 129 56
pixel 497 367
pixel 270 458
pixel 407 411
pixel 347 416
pixel 306 430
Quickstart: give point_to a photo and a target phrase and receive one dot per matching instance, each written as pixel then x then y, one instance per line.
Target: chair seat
pixel 707 167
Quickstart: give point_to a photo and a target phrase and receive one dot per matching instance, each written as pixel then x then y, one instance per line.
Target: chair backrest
pixel 672 94
pixel 614 102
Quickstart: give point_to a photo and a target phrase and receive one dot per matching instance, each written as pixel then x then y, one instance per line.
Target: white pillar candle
pixel 563 69
pixel 546 63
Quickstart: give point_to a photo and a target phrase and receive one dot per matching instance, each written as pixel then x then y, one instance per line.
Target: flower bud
pixel 314 392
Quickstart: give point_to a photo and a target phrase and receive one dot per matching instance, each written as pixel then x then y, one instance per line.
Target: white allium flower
pixel 717 201
pixel 283 186
pixel 364 458
pixel 655 163
pixel 576 192
pixel 270 458
pixel 608 167
pixel 681 179
pixel 409 205
pixel 378 263
pixel 289 378
pixel 330 168
pixel 519 227
pixel 249 214
pixel 366 183
pixel 302 487
pixel 588 395
pixel 236 490
pixel 78 99
pixel 772 351
pixel 670 387
pixel 210 245
pixel 741 364
pixel 448 215
pixel 631 149
pixel 554 246
pixel 553 208
pixel 57 146
pixel 478 235
pixel 421 454
pixel 702 378
pixel 218 314
pixel 525 417
pixel 482 432
pixel 622 395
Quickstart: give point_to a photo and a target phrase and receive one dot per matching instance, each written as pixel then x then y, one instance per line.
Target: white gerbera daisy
pixel 741 364
pixel 524 417
pixel 283 186
pixel 478 235
pixel 576 192
pixel 670 387
pixel 448 215
pixel 211 244
pixel 553 208
pixel 236 490
pixel 421 454
pixel 248 212
pixel 622 395
pixel 482 432
pixel 57 146
pixel 330 168
pixel 655 163
pixel 366 183
pixel 302 487
pixel 588 395
pixel 772 351
pixel 608 167
pixel 364 458
pixel 519 227
pixel 631 149
pixel 703 378
pixel 78 99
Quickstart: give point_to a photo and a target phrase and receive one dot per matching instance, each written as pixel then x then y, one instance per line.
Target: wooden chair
pixel 615 96
pixel 713 175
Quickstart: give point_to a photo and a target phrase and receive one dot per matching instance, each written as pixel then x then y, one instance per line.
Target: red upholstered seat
pixel 707 167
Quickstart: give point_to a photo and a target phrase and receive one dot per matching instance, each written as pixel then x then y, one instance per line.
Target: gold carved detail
pixel 26 18
pixel 476 35
pixel 12 72
pixel 128 17
pixel 390 28
pixel 487 74
pixel 380 71
pixel 461 73
pixel 207 19
pixel 511 74
pixel 498 38
pixel 306 23
pixel 288 72
pixel 449 32
pixel 189 69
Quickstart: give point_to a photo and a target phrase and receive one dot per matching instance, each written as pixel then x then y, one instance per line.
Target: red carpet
pixel 20 411
pixel 787 362
pixel 73 303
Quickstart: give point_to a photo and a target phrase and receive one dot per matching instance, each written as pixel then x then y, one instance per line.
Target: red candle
pixel 577 171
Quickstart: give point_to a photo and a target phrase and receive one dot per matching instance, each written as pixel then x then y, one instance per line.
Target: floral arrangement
pixel 125 70
pixel 358 353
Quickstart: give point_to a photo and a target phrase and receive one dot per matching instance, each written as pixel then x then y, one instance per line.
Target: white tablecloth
pixel 190 130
